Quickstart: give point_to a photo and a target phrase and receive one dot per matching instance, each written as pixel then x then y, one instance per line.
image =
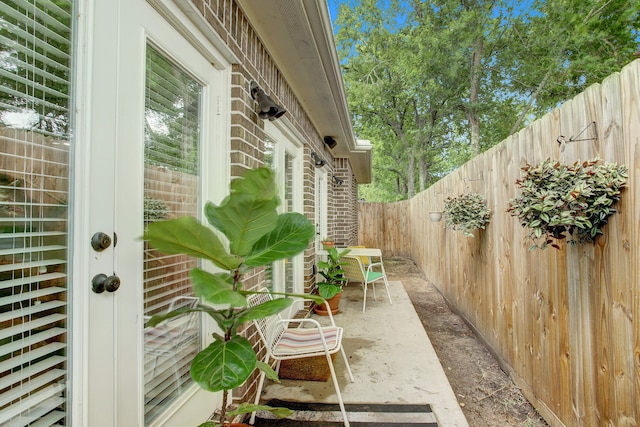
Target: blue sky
pixel 334 5
pixel 333 8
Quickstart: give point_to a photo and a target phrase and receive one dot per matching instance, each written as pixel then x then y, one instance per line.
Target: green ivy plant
pixel 257 236
pixel 466 212
pixel 557 200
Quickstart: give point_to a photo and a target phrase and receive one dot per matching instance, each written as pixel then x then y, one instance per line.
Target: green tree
pixel 35 64
pixel 564 46
pixel 433 83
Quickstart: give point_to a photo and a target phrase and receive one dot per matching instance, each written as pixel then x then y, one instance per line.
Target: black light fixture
pixel 338 181
pixel 330 141
pixel 267 109
pixel 317 160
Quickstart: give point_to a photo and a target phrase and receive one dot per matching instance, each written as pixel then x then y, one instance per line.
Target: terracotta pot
pixel 333 305
pixel 328 245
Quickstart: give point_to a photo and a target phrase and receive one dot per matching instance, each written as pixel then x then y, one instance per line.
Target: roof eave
pixel 299 37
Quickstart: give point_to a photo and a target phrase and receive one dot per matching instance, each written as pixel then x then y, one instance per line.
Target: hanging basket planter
pixel 558 201
pixel 466 212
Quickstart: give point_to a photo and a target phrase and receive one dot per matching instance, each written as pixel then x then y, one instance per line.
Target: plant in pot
pixel 330 288
pixel 466 212
pixel 328 242
pixel 257 236
pixel 557 200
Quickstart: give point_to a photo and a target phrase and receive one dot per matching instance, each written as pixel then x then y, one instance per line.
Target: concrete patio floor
pixel 390 355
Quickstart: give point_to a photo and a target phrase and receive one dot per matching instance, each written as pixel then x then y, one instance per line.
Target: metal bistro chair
pixel 355 271
pixel 283 342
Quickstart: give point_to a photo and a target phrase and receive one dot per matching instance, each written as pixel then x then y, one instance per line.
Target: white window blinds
pixel 172 186
pixel 35 74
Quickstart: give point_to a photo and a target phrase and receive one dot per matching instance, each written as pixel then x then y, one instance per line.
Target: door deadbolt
pixel 100 241
pixel 101 283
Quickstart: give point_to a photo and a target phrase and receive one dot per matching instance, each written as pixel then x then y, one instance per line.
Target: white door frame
pixel 321 201
pixel 107 328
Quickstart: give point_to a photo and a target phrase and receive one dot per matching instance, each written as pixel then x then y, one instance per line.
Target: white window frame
pixel 286 139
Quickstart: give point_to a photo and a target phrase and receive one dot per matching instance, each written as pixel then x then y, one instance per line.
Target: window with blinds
pixel 289 263
pixel 271 270
pixel 35 101
pixel 280 275
pixel 171 190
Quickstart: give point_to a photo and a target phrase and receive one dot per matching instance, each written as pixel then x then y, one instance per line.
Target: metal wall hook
pixel 561 139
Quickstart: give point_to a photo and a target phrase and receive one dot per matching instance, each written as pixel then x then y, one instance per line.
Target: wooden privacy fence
pixel 565 323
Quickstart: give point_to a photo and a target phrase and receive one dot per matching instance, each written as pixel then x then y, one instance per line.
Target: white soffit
pixel 299 37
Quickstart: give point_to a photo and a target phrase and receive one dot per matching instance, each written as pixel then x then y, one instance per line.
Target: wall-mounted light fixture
pixel 267 109
pixel 330 141
pixel 338 181
pixel 317 160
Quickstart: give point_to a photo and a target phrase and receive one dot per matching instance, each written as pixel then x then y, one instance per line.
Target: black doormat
pixel 359 415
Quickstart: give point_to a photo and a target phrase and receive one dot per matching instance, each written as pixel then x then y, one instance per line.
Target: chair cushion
pixel 296 341
pixel 373 276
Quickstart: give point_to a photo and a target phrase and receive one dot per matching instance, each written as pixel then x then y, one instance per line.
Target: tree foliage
pixel 432 84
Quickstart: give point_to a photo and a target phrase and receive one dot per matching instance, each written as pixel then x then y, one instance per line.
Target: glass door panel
pixel 171 189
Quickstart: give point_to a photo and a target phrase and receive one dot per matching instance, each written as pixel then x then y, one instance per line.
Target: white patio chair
pixel 283 342
pixel 355 271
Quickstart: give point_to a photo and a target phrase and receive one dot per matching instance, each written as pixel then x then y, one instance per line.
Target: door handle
pixel 100 241
pixel 102 282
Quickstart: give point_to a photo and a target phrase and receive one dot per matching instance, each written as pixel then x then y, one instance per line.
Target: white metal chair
pixel 283 342
pixel 355 271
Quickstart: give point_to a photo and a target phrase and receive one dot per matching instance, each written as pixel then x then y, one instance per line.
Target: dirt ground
pixel 487 395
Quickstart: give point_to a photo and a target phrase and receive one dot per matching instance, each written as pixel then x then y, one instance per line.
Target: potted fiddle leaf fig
pixel 257 236
pixel 557 201
pixel 466 212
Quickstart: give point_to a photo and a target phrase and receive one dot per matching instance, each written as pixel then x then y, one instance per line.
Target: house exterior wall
pixel 247 130
pixel 345 200
pixel 248 133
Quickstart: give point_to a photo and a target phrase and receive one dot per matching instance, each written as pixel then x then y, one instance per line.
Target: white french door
pixel 158 134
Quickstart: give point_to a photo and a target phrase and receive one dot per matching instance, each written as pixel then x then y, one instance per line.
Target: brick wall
pixel 345 203
pixel 247 132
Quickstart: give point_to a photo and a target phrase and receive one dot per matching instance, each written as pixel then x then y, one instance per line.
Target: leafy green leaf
pixel 224 365
pixel 265 309
pixel 259 182
pixel 159 318
pixel 244 219
pixel 187 236
pixel 292 235
pixel 328 290
pixel 268 371
pixel 247 408
pixel 216 288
